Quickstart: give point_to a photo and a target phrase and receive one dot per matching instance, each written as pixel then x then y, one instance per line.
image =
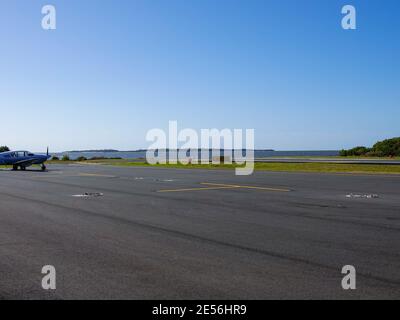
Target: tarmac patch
pixel 96 175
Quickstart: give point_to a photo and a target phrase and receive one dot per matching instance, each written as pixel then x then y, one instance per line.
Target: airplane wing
pixel 26 163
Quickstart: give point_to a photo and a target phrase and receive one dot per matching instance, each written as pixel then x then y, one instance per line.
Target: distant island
pixel 101 150
pixel 144 150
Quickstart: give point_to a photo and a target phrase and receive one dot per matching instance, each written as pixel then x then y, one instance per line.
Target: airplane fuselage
pixel 22 159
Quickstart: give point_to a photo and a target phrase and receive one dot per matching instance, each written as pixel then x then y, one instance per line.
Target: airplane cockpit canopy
pixel 21 154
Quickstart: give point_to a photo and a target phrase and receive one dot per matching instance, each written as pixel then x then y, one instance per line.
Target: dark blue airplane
pixel 23 159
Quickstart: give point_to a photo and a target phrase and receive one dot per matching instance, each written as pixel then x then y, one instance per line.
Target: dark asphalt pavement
pixel 197 234
pixel 333 160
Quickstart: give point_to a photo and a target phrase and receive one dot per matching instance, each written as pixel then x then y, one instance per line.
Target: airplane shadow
pixel 28 170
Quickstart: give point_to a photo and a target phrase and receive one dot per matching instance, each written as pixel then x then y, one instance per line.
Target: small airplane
pixel 23 159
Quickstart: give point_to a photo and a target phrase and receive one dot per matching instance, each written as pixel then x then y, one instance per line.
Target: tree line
pixel 385 148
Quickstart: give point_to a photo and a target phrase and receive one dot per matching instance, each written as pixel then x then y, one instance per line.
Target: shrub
pixel 81 159
pixel 105 158
pixel 55 158
pixel 65 158
pixel 357 151
pixel 374 154
pixel 385 148
pixel 388 148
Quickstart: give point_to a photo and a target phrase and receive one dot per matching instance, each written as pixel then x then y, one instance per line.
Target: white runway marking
pixel 88 194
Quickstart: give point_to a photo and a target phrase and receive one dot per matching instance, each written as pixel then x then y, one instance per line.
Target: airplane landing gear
pixel 43 167
pixel 15 168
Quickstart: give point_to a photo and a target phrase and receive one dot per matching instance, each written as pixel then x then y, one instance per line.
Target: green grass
pixel 291 167
pixel 282 167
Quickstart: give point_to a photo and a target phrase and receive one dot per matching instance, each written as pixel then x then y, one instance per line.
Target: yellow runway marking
pixel 219 186
pixel 246 187
pixel 196 189
pixel 96 175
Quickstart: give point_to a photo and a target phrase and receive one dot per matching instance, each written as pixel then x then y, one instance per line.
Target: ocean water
pixel 142 154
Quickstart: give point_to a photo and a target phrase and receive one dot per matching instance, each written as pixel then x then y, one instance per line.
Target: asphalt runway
pixel 334 160
pixel 153 233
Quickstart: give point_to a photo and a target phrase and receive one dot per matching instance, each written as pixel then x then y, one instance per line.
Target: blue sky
pixel 115 69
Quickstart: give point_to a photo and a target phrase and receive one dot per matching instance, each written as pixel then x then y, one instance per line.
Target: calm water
pixel 142 154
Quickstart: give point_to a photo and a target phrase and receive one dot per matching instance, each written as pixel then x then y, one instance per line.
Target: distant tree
pixel 385 148
pixel 105 158
pixel 81 159
pixel 357 151
pixel 4 149
pixel 55 158
pixel 65 158
pixel 388 148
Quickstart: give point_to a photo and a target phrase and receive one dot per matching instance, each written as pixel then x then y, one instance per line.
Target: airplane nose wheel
pixel 15 168
pixel 43 167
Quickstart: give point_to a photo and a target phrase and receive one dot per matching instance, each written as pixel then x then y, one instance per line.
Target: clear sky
pixel 115 69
